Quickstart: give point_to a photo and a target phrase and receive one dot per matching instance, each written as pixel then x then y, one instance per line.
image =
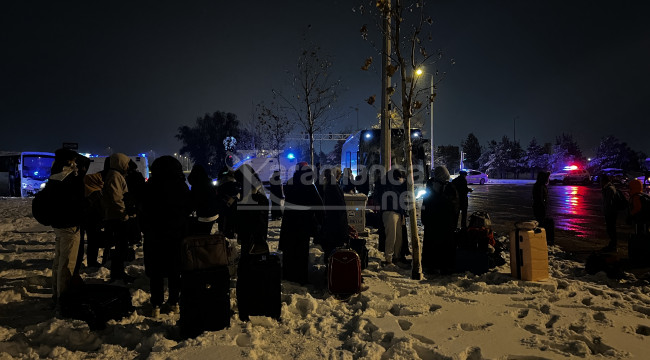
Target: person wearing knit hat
pixel 439 209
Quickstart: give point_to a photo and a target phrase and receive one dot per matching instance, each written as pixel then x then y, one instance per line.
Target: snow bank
pixel 463 316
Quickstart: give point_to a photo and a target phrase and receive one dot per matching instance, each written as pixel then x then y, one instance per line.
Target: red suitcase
pixel 344 272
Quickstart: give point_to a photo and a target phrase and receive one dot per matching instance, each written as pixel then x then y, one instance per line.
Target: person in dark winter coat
pixel 540 196
pixel 277 195
pixel 228 191
pixel 302 218
pixel 393 211
pixel 166 207
pixel 335 222
pixel 252 219
pixel 116 217
pixel 540 205
pixel 67 201
pixel 204 201
pixel 439 209
pixel 347 182
pixel 610 210
pixel 94 214
pixel 460 184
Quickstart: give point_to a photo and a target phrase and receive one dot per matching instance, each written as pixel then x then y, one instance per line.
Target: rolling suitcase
pixel 259 288
pixel 205 301
pixel 97 303
pixel 528 254
pixel 344 272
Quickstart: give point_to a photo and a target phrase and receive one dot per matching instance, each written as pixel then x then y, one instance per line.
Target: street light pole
pixel 431 141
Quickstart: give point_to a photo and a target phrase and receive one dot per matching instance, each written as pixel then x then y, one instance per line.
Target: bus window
pixel 35 170
pixel 37 167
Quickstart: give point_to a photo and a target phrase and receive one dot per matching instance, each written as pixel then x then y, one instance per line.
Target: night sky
pixel 127 74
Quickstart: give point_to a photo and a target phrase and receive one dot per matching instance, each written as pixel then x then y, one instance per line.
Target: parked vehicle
pixel 570 175
pixel 476 177
pixel 24 173
pixel 617 176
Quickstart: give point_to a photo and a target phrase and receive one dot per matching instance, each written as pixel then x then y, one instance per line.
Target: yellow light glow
pixel 418 72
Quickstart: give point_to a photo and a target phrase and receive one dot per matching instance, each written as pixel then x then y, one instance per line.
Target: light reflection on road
pixel 574 208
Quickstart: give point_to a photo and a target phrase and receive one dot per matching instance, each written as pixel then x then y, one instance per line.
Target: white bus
pixel 24 173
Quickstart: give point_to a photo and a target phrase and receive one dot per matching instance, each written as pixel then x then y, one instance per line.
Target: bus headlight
pixel 42 186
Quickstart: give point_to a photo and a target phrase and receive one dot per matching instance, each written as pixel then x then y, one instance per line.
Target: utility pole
pixel 432 147
pixel 385 101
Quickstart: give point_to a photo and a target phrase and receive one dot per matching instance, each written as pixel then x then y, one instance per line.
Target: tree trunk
pixel 416 272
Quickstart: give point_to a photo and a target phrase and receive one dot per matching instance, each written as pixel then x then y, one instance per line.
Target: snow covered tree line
pixel 507 158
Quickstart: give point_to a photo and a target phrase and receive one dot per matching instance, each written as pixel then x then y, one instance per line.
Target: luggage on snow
pixel 528 254
pixel 344 272
pixel 202 252
pixel 97 303
pixel 259 288
pixel 205 301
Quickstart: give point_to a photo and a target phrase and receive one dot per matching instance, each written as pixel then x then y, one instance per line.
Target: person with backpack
pixel 460 184
pixel 334 232
pixel 115 214
pixel 166 208
pixel 610 210
pixel 65 208
pixel 252 217
pixel 204 201
pixel 439 209
pixel 303 213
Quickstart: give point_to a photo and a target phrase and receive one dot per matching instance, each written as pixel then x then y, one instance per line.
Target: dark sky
pixel 127 74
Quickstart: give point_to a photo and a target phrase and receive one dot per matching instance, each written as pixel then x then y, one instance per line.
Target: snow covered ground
pixel 492 316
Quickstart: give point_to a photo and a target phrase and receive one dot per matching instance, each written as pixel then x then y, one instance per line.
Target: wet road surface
pixel 580 225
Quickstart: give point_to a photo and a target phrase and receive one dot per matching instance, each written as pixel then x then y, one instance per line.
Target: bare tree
pixel 272 128
pixel 410 55
pixel 312 93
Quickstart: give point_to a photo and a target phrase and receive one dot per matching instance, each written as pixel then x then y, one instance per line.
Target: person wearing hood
pixel 335 222
pixel 115 214
pixel 204 200
pixel 303 213
pixel 94 214
pixel 252 217
pixel 166 208
pixel 439 209
pixel 67 198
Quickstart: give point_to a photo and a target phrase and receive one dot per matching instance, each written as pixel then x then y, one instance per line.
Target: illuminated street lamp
pixel 419 72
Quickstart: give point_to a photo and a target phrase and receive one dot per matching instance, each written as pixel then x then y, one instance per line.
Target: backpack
pixel 42 206
pixel 480 219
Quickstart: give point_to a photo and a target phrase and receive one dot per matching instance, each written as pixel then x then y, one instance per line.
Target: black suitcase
pixel 259 286
pixel 97 303
pixel 205 301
